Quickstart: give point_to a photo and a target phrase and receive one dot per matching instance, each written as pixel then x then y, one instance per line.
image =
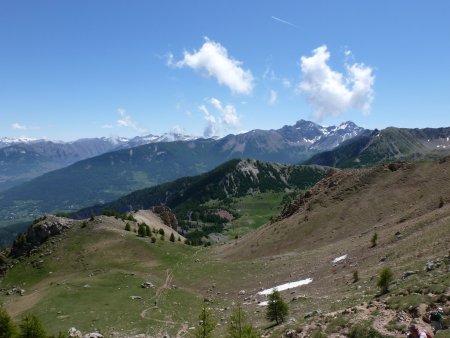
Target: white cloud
pixel 126 121
pixel 273 97
pixel 107 126
pixel 228 112
pixel 213 60
pixel 216 103
pixel 216 125
pixel 212 125
pixel 230 117
pixel 331 92
pixel 18 126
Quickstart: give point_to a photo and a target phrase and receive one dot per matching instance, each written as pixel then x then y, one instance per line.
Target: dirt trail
pixel 167 285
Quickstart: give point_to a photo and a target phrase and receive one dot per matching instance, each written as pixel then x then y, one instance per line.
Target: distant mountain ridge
pixel 106 177
pixel 390 144
pixel 22 159
pixel 234 178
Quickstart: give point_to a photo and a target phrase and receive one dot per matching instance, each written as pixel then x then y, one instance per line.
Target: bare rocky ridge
pixel 40 231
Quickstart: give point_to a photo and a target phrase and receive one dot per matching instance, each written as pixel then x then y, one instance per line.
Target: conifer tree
pixel 7 327
pixel 172 237
pixel 206 324
pixel 239 326
pixel 277 309
pixel 31 327
pixel 385 278
pixel 141 230
pixel 373 240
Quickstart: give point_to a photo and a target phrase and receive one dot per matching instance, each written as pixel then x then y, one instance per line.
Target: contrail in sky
pixel 284 21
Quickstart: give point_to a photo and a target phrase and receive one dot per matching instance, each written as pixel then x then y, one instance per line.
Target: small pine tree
pixel 83 225
pixel 128 227
pixel 277 309
pixel 239 326
pixel 141 230
pixel 153 239
pixel 355 276
pixel 172 237
pixel 21 240
pixel 7 327
pixel 441 201
pixel 374 239
pixel 179 239
pixel 206 324
pixel 31 327
pixel 161 232
pixel 148 231
pixel 385 278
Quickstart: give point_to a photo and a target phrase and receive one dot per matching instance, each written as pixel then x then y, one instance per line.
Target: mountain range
pixel 106 177
pixel 109 176
pixel 390 144
pixel 22 159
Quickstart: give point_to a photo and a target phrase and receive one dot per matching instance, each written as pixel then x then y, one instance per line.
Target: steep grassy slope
pixel 355 202
pixel 89 273
pixel 390 144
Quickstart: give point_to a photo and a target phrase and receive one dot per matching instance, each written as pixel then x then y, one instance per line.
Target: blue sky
pixel 71 69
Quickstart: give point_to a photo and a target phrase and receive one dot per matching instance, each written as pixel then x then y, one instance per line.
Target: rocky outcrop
pixel 38 232
pixel 167 216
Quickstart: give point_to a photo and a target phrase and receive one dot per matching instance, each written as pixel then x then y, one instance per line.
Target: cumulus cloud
pixel 273 97
pixel 212 124
pixel 331 92
pixel 125 120
pixel 215 125
pixel 18 126
pixel 228 112
pixel 212 59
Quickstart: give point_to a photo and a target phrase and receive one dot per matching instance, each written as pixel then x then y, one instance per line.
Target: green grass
pixel 407 302
pixel 254 211
pixel 442 334
pixel 335 323
pixel 90 276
